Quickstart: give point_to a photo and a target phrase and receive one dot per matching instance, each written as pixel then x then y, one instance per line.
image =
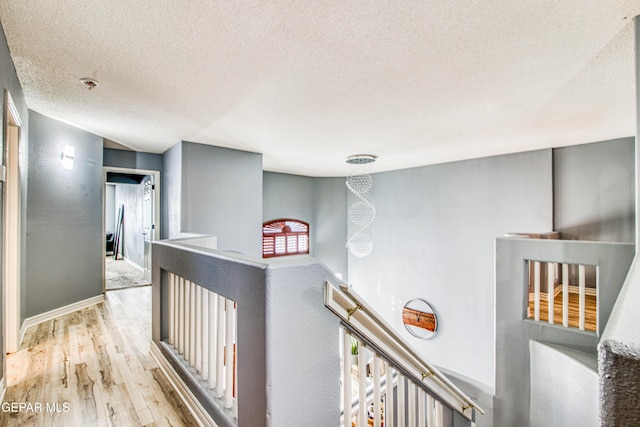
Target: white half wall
pixel 564 387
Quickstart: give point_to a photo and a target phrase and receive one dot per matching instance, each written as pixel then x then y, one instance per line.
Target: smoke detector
pixel 89 82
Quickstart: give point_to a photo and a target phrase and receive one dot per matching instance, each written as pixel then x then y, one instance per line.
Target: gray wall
pixel 434 239
pixel 288 371
pixel 131 197
pixel 64 217
pixel 513 334
pixel 556 373
pixel 619 357
pixel 619 348
pixel 222 196
pixel 171 193
pixel 322 202
pixel 289 196
pixel 594 197
pixel 9 82
pixel 331 224
pixel 131 159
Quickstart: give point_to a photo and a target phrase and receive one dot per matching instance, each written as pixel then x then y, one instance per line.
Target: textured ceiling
pixel 309 83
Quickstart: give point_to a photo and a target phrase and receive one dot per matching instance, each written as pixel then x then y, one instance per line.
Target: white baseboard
pixel 134 264
pixel 587 291
pixel 52 314
pixel 188 399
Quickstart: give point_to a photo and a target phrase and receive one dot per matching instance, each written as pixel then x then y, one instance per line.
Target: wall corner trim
pixel 3 389
pixel 52 314
pixel 188 399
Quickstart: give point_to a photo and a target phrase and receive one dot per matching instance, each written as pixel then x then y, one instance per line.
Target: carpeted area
pixel 121 274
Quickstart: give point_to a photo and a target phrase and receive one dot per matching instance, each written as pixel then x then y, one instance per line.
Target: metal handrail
pixel 357 314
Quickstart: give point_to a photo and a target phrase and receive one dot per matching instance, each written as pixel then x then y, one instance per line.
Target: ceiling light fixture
pixel 361 159
pixel 362 210
pixel 89 82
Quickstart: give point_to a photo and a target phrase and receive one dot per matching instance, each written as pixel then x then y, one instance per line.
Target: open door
pixel 11 229
pixel 148 227
pixel 147 213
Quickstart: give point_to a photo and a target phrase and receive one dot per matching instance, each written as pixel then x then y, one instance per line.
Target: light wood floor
pixel 95 365
pixel 574 304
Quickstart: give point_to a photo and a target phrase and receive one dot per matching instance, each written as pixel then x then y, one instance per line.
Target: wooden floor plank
pixel 93 368
pixel 574 311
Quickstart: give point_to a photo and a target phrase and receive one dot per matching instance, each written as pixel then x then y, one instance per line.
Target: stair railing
pixel 418 380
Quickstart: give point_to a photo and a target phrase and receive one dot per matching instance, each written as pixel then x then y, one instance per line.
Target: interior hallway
pixel 92 368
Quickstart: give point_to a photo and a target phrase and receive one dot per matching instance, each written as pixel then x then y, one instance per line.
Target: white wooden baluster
pixel 192 325
pixel 177 311
pixel 551 278
pixel 362 384
pixel 376 391
pixel 171 314
pixel 565 295
pixel 388 400
pixel 439 415
pixel 401 400
pixel 421 407
pixel 346 377
pixel 235 360
pixel 430 422
pixel 181 326
pixel 220 349
pixel 174 309
pixel 213 334
pixel 187 320
pixel 582 290
pixel 411 404
pixel 229 357
pixel 205 333
pixel 198 329
pixel 536 290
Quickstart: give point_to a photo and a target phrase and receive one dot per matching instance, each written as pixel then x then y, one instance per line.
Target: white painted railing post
pixel 439 415
pixel 220 349
pixel 551 291
pixel 421 407
pixel 181 315
pixel 346 377
pixel 172 316
pixel 205 333
pixel 192 324
pixel 565 295
pixel 202 327
pixel 362 384
pixel 376 391
pixel 582 292
pixel 401 400
pixel 229 354
pixel 536 290
pixel 411 402
pixel 187 320
pixel 388 399
pixel 198 329
pixel 213 342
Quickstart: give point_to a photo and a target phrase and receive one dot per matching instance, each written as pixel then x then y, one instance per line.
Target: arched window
pixel 282 237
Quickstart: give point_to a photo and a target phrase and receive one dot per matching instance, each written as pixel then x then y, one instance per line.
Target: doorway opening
pixel 11 227
pixel 131 217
